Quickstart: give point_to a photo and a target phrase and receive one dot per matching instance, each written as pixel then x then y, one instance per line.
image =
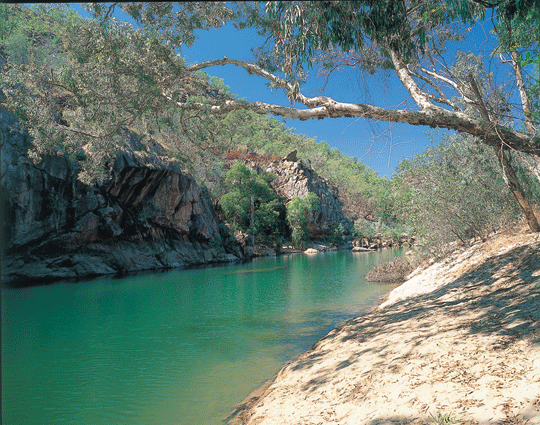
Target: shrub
pixel 395 270
pixel 336 235
pixel 454 192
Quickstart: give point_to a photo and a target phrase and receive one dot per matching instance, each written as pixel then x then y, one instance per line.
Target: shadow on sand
pixel 499 297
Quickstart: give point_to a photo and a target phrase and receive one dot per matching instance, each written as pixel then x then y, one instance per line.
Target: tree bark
pixel 513 183
pixel 509 174
pixel 525 103
pixel 321 107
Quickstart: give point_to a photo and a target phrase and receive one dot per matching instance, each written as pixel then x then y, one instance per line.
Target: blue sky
pixel 352 136
pixel 378 145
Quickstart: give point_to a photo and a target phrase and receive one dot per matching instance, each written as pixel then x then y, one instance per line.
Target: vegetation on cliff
pixel 252 205
pixel 206 144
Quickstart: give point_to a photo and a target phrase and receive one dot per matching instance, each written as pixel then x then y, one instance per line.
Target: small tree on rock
pixel 299 211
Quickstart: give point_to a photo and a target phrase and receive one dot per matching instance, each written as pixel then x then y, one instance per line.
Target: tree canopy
pixel 81 84
pixel 251 204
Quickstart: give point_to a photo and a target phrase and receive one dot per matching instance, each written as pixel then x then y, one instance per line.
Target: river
pixel 177 347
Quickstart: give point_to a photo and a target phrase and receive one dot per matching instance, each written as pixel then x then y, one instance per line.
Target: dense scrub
pixel 395 270
pixel 456 191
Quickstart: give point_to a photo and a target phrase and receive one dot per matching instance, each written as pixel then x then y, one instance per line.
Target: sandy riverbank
pixel 461 337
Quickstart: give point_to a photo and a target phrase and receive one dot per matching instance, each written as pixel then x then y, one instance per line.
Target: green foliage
pixel 366 229
pixel 300 30
pixel 518 36
pixel 444 419
pixel 454 191
pixel 126 65
pixel 251 205
pixel 337 235
pixel 380 228
pixel 298 213
pixel 363 193
pixel 79 83
pixel 226 238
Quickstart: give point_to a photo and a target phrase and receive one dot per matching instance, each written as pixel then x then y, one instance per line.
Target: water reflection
pixel 170 348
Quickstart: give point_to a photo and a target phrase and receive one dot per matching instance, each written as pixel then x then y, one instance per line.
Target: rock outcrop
pixel 150 215
pixel 295 178
pixel 379 241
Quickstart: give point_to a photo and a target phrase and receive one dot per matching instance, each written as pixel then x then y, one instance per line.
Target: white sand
pixel 461 338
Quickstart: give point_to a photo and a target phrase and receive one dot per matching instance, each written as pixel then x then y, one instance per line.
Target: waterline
pixel 180 347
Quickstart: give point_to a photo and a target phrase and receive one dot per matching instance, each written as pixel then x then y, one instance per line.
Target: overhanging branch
pixel 489 132
pixel 325 107
pixel 293 91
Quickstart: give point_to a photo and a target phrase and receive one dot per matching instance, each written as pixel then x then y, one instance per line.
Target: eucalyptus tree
pixel 409 39
pixel 135 72
pixel 453 191
pixel 251 205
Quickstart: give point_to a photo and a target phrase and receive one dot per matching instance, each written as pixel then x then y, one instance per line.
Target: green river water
pixel 178 347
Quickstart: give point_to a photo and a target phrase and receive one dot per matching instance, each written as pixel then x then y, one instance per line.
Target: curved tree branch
pixel 310 102
pixel 490 133
pixel 419 97
pixel 325 107
pixel 442 97
pixel 450 82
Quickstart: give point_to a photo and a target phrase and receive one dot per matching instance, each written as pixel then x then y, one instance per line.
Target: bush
pixel 395 270
pixel 366 229
pixel 251 205
pixel 336 235
pixel 454 192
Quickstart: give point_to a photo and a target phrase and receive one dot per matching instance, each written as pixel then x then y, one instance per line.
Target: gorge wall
pixel 295 178
pixel 150 215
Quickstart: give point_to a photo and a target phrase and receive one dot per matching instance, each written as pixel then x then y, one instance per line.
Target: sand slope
pixel 461 337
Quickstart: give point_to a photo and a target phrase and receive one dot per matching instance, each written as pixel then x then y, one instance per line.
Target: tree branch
pixel 325 107
pixel 525 102
pixel 450 82
pixel 419 97
pixel 442 97
pixel 293 91
pixel 489 132
pixel 479 104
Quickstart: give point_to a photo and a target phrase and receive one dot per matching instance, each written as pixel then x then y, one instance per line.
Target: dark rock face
pixel 150 215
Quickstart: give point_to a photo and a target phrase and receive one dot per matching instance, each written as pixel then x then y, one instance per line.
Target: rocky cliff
pixel 150 215
pixel 295 178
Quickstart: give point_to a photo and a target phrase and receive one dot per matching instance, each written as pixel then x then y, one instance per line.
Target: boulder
pixel 246 242
pixel 291 156
pixel 362 249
